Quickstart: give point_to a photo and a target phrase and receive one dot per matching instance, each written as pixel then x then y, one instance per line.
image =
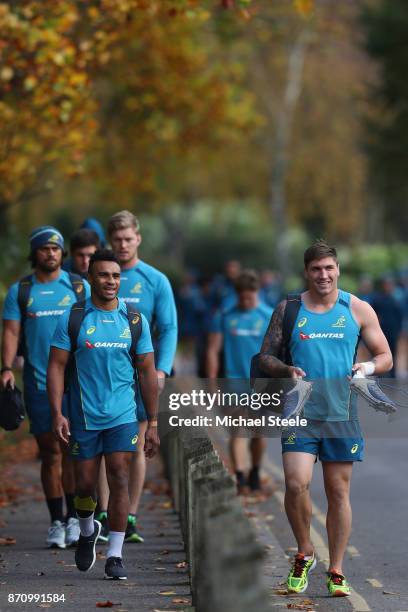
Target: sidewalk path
pixel 157 577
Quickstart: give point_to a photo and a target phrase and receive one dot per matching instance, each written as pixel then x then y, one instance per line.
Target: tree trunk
pixel 280 148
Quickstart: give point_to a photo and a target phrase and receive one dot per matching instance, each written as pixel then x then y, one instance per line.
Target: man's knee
pixel 295 486
pixel 118 480
pixel 338 492
pixel 50 454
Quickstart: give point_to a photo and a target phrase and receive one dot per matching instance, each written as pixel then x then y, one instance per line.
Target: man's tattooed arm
pixel 271 346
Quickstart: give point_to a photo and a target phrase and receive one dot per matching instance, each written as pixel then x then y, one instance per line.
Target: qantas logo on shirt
pixel 321 336
pixel 245 332
pixel 132 300
pixel 45 313
pixel 91 345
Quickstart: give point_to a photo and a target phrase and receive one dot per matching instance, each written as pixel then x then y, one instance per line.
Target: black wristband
pixel 5 369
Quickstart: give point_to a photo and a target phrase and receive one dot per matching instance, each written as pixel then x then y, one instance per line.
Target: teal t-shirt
pixel 102 392
pixel 243 332
pixel 151 293
pixel 324 345
pixel 46 304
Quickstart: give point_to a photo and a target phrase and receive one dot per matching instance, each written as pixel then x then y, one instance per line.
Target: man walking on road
pixel 322 347
pixel 237 333
pixel 32 309
pixel 149 291
pixel 106 340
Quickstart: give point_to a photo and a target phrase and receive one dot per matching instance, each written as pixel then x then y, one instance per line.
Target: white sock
pixel 308 557
pixel 116 539
pixel 86 525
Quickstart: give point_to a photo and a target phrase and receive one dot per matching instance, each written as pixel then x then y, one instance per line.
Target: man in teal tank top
pixel 322 349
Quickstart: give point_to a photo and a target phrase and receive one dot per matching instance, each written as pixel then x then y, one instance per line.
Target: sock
pixel 55 508
pixel 240 478
pixel 132 518
pixel 308 557
pixel 86 525
pixel 69 502
pixel 101 514
pixel 116 539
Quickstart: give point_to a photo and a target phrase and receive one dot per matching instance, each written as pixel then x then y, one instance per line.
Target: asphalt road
pixel 376 557
pixel 157 575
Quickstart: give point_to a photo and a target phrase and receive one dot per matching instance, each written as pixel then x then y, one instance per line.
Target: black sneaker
pixel 131 534
pixel 254 480
pixel 104 534
pixel 85 554
pixel 114 569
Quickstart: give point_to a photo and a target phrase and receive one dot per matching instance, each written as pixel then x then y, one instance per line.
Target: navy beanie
pixel 46 234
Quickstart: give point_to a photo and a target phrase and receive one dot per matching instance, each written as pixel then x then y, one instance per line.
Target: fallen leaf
pixel 390 593
pixel 106 604
pixel 167 593
pixel 182 564
pixel 164 552
pixel 40 573
pixel 180 601
pixel 159 569
pixel 280 591
pixel 7 541
pixel 44 605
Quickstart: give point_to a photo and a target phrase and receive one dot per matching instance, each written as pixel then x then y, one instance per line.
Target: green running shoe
pixel 298 576
pixel 131 534
pixel 337 585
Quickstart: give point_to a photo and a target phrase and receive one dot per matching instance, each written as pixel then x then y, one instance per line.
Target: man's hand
pixel 296 372
pixel 7 379
pixel 152 441
pixel 60 428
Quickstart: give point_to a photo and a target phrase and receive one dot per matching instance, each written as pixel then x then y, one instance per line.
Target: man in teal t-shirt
pixel 239 331
pixel 148 290
pixel 47 294
pixel 102 403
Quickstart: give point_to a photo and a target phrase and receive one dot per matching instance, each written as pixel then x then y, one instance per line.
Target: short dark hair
pixel 319 250
pixel 83 238
pixel 102 255
pixel 248 280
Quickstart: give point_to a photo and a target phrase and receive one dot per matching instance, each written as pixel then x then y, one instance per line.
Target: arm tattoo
pixel 272 343
pixel 140 359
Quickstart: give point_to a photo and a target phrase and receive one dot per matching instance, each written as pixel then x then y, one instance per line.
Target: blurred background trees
pixel 234 127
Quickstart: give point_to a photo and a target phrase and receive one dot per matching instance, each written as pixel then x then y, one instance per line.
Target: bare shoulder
pixel 362 311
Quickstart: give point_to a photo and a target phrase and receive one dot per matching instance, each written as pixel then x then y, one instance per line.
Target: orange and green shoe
pixel 297 581
pixel 337 585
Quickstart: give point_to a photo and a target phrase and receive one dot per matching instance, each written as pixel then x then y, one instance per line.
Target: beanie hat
pixel 44 235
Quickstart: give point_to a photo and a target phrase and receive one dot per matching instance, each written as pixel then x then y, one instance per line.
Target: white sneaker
pixel 72 532
pixel 56 535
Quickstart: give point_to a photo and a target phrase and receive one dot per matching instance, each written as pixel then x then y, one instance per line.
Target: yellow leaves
pixel 30 83
pixel 6 73
pixel 304 7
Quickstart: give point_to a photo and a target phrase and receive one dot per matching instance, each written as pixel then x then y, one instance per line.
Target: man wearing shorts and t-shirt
pixel 109 342
pixel 32 309
pixel 322 347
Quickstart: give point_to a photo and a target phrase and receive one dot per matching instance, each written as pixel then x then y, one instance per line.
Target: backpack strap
pixel 76 316
pixel 135 326
pixel 77 283
pixel 23 295
pixel 293 303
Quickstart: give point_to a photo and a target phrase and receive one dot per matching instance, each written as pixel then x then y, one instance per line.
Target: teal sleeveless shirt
pixel 324 345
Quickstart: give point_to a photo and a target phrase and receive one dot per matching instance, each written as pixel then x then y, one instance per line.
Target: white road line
pixel 358 602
